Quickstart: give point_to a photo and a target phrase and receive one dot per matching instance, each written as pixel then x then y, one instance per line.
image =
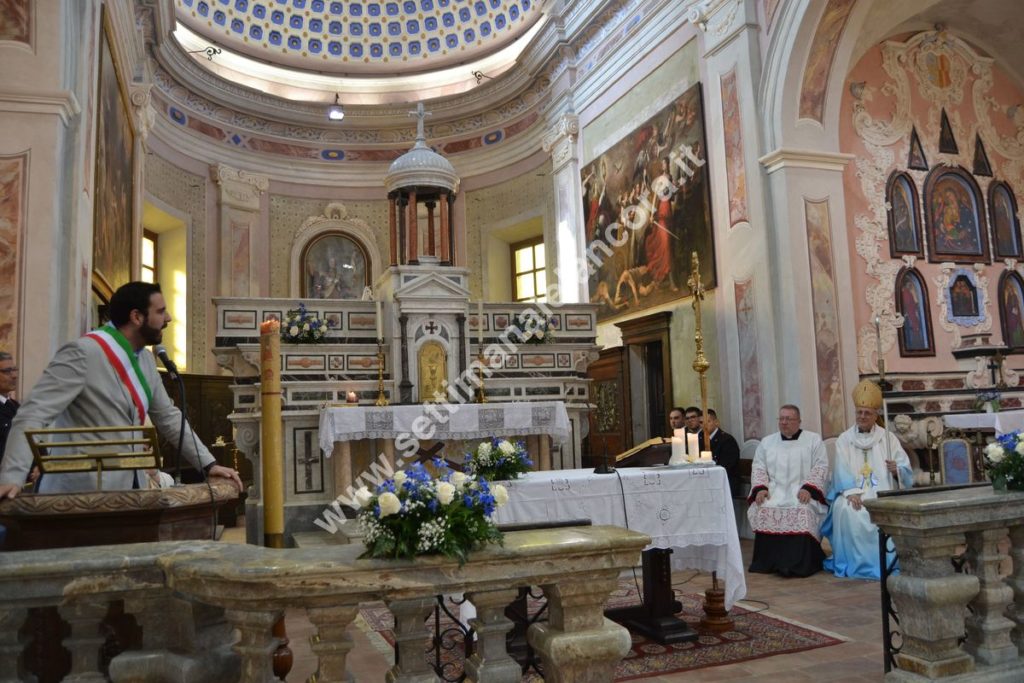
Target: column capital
pixel 560 140
pixel 239 189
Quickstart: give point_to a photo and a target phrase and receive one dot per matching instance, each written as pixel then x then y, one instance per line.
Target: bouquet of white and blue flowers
pixel 302 327
pixel 416 514
pixel 1004 459
pixel 498 460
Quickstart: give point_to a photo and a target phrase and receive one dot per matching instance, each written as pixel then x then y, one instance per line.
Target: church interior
pixel 565 219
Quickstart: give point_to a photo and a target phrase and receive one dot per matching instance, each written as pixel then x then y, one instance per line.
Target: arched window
pixel 1011 309
pixel 334 266
pixel 954 217
pixel 904 221
pixel 915 336
pixel 1002 207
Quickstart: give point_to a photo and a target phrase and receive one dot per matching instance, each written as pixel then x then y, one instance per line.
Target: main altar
pixel 411 346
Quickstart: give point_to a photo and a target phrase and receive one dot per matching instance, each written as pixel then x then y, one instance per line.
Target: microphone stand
pixel 184 420
pixel 603 468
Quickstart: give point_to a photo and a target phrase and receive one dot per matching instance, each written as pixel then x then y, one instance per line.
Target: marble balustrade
pixel 206 609
pixel 956 626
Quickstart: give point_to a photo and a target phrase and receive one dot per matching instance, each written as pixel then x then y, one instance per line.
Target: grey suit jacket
pixel 80 388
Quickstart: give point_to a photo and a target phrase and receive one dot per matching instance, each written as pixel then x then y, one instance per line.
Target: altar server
pixel 789 478
pixel 869 459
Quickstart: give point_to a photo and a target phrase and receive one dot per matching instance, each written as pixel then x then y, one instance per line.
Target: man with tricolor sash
pixel 104 379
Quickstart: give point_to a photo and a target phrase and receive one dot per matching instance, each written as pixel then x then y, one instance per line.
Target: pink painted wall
pixel 869 77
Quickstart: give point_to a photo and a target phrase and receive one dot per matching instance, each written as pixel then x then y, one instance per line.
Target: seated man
pixel 725 451
pixel 869 459
pixel 676 420
pixel 788 480
pixel 694 420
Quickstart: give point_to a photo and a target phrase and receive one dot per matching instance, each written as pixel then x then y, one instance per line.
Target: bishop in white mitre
pixel 869 459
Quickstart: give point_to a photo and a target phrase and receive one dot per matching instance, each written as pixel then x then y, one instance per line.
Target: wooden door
pixel 610 420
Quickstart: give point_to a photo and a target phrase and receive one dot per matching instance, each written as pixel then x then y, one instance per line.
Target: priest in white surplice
pixel 788 481
pixel 865 464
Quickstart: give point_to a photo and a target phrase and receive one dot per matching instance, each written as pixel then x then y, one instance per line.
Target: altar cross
pixel 421 114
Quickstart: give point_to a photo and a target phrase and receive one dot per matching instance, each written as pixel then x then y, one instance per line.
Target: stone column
pixel 560 143
pixel 332 642
pixel 578 644
pixel 411 640
pixel 1016 583
pixel 988 631
pixel 255 644
pixel 446 231
pixel 342 457
pixel 84 615
pixel 244 243
pixel 491 662
pixel 11 645
pixel 403 216
pixel 414 237
pixel 431 242
pixel 931 601
pixel 393 226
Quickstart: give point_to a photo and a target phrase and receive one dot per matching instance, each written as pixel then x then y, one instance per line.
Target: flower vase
pixel 999 483
pixel 988 407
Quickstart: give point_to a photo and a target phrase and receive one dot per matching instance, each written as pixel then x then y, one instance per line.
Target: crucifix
pixel 996 365
pixel 421 114
pixel 309 458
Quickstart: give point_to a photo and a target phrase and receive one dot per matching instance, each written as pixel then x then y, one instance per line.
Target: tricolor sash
pixel 126 365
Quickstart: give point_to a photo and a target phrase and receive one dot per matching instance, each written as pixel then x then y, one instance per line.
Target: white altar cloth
pixel 688 510
pixel 465 421
pixel 1003 422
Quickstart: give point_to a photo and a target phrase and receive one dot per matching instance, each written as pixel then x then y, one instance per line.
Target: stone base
pixel 1008 672
pixel 580 656
pixel 297 518
pixel 139 666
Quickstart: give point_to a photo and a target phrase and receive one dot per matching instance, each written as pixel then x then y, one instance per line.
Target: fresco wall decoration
pixel 13 193
pixel 16 21
pixel 646 207
pixel 113 216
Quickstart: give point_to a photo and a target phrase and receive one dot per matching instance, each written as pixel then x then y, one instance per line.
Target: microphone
pixel 161 353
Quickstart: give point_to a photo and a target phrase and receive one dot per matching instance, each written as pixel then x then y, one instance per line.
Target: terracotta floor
pixel 847 608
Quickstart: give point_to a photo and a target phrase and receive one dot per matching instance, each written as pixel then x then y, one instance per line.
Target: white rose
pixel 540 334
pixel 500 494
pixel 506 448
pixel 399 477
pixel 1020 447
pixel 996 456
pixel 389 504
pixel 306 327
pixel 458 478
pixel 363 496
pixel 445 492
pixel 293 330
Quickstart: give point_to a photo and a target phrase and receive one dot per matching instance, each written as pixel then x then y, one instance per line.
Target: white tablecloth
pixel 688 510
pixel 466 421
pixel 1003 422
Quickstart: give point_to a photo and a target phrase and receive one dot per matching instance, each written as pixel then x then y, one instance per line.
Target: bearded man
pixel 103 380
pixel 869 459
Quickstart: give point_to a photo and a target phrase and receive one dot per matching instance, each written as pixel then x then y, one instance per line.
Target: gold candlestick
pixel 481 394
pixel 382 400
pixel 700 362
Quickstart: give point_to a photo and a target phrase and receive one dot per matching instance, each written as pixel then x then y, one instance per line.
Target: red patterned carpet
pixel 755 636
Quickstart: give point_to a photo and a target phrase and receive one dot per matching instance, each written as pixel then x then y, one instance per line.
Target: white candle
pixel 678 447
pixel 692 449
pixel 705 456
pixel 480 322
pixel 380 321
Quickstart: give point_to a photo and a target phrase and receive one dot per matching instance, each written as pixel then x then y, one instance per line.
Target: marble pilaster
pixel 988 631
pixel 256 644
pixel 331 643
pixel 11 644
pixel 490 661
pixel 84 616
pixel 560 143
pixel 1016 583
pixel 241 230
pixel 411 639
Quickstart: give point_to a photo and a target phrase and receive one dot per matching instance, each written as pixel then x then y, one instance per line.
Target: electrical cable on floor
pixel 755 611
pixel 625 514
pixel 206 480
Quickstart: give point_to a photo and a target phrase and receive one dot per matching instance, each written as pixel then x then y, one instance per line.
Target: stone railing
pixel 189 597
pixel 936 605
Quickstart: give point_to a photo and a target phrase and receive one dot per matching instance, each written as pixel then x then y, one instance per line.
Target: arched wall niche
pixel 334 221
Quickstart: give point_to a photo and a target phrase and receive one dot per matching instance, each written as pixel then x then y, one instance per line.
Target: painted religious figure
pixel 1004 221
pixel 646 206
pixel 334 267
pixel 915 335
pixel 1011 302
pixel 956 226
pixel 963 298
pixel 904 235
pixel 115 168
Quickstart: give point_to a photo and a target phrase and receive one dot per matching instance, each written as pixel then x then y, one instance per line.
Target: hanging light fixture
pixel 335 112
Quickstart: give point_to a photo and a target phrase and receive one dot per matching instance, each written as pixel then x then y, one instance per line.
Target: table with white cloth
pixel 686 509
pixel 536 420
pixel 1003 422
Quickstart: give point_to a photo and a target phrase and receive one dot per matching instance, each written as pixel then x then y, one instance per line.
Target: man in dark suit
pixel 725 451
pixel 8 406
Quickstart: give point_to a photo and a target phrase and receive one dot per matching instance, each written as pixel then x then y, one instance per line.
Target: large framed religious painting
pixel 646 208
pixel 904 217
pixel 334 266
pixel 1005 226
pixel 113 215
pixel 1011 309
pixel 915 337
pixel 955 217
pixel 955 461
